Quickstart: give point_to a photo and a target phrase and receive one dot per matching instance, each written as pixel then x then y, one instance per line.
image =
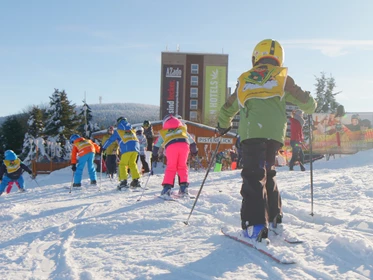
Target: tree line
pixel 45 131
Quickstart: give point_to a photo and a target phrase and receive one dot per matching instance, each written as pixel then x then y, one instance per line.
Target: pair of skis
pixel 280 254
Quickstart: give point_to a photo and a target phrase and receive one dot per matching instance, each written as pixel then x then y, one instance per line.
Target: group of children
pixel 133 145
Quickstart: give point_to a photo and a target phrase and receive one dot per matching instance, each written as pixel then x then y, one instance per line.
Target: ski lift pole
pixel 311 161
pixel 207 173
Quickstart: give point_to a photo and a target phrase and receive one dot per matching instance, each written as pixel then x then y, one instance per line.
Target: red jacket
pixel 296 131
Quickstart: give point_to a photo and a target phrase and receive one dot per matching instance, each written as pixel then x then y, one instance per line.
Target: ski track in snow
pixel 47 233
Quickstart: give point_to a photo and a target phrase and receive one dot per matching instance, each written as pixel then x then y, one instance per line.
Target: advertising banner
pixel 172 89
pixel 215 92
pixel 342 135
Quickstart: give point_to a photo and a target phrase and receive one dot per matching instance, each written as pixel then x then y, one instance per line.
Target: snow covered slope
pixel 47 233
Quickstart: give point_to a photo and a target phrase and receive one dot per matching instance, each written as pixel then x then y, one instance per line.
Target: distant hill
pixel 106 114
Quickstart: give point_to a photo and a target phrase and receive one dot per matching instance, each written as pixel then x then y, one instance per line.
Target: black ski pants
pixel 145 165
pixel 111 164
pixel 261 200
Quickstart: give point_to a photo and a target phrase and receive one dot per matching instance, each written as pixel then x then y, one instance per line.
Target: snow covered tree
pixel 62 118
pixel 35 129
pixel 325 97
pixel 88 126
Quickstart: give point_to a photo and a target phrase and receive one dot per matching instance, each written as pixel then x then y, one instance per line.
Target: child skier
pixel 261 95
pixel 111 154
pixel 296 139
pixel 143 145
pixel 177 143
pixel 11 172
pixel 149 134
pixel 129 150
pixel 85 149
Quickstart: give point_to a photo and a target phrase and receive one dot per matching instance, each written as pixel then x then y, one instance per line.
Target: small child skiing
pixel 85 149
pixel 129 150
pixel 143 145
pixel 177 143
pixel 111 154
pixel 11 172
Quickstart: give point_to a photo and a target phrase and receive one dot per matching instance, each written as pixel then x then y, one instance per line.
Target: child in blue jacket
pixel 129 149
pixel 11 172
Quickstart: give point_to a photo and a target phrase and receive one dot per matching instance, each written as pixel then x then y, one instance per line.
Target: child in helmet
pixel 177 142
pixel 296 139
pixel 149 134
pixel 129 150
pixel 85 149
pixel 143 145
pixel 261 95
pixel 11 172
pixel 111 153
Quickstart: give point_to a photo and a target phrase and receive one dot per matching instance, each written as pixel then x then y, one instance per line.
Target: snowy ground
pixel 47 233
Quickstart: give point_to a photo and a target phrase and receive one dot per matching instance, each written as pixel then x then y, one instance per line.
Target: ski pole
pixel 101 159
pixel 203 182
pixel 147 181
pixel 36 181
pixel 311 165
pixel 72 182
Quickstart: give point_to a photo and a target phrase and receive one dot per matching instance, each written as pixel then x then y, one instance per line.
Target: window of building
pixel 193 92
pixel 193 116
pixel 194 69
pixel 194 80
pixel 193 104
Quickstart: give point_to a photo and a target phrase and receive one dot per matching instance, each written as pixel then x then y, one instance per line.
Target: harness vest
pixel 262 81
pixel 12 165
pixel 127 135
pixel 178 134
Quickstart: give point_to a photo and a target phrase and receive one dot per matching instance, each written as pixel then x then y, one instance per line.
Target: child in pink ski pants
pixel 177 142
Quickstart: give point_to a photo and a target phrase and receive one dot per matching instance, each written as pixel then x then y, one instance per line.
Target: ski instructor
pixel 260 97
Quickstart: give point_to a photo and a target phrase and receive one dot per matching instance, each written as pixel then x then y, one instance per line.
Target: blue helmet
pixel 10 155
pixel 124 125
pixel 74 137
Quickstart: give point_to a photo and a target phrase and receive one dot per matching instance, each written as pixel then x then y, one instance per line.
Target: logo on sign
pixel 173 72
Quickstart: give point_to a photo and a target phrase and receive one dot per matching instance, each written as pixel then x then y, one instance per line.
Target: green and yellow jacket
pixel 262 104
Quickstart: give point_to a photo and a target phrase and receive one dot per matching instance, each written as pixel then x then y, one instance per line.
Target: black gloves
pixel 222 131
pixel 73 167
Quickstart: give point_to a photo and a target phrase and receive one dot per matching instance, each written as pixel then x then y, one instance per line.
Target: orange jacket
pixel 81 147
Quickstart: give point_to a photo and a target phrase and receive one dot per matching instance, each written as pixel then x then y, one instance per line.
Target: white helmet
pixel 140 128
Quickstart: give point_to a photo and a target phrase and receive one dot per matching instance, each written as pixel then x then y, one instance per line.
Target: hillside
pixel 106 114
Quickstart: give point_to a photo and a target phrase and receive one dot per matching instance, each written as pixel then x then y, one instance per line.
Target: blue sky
pixel 113 48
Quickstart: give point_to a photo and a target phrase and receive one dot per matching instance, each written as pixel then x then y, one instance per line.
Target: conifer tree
pixel 325 97
pixel 35 129
pixel 62 119
pixel 12 134
pixel 88 127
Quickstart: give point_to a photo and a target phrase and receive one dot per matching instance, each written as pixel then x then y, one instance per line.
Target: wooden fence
pixel 48 167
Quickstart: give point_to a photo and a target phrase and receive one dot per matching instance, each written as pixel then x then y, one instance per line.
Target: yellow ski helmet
pixel 268 48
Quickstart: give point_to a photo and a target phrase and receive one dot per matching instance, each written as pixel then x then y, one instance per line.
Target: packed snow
pixel 48 233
